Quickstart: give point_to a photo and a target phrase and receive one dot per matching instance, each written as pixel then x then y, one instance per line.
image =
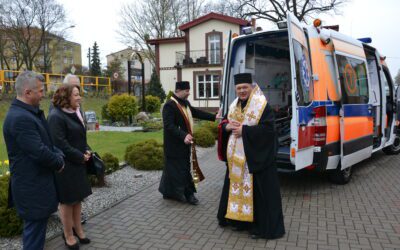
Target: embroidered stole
pixel 187 115
pixel 240 201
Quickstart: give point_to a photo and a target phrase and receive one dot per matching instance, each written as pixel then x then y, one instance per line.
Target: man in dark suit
pixel 176 181
pixel 33 159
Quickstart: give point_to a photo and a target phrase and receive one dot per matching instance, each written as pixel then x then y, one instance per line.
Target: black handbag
pixel 95 165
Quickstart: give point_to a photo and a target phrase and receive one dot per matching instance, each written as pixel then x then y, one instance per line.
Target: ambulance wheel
pixel 393 149
pixel 339 176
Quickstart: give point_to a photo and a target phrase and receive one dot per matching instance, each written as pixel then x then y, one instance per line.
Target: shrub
pixel 111 162
pixel 170 93
pixel 155 87
pixel 151 125
pixel 153 103
pixel 120 107
pixel 212 127
pixel 105 115
pixel 204 137
pixel 4 167
pixel 10 223
pixel 145 155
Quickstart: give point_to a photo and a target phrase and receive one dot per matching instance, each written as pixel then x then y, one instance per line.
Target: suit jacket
pixel 33 161
pixel 175 129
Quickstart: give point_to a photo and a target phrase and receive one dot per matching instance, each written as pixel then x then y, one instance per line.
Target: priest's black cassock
pixel 260 146
pixel 176 181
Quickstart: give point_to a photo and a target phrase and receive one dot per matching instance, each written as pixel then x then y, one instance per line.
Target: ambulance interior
pixel 268 58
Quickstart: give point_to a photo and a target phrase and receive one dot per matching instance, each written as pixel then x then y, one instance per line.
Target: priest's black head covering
pixel 182 85
pixel 243 78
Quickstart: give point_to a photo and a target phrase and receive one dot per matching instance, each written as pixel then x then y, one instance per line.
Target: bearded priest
pixel 251 198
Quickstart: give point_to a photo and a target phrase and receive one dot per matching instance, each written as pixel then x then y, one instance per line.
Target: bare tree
pixel 28 24
pixel 276 10
pixel 151 19
pixel 225 7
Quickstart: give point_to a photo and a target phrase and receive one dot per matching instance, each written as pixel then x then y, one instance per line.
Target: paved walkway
pixel 365 214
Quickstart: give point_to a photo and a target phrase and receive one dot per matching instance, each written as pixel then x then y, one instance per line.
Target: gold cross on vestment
pixel 246 188
pixel 251 116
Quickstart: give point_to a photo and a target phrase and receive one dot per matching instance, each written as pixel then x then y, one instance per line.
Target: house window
pixel 65 60
pixel 207 85
pixel 214 47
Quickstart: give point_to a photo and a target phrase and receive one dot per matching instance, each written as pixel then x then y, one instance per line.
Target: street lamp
pixel 136 55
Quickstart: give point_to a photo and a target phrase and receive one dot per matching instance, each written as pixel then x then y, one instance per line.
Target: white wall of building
pixel 168 53
pixel 168 74
pixel 198 33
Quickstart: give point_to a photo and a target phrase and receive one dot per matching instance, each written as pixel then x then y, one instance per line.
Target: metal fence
pixel 89 84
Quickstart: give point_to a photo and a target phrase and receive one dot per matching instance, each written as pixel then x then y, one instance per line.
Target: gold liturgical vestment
pixel 240 201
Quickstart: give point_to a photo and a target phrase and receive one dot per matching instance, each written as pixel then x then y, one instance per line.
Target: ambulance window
pixel 333 89
pixel 303 74
pixel 353 79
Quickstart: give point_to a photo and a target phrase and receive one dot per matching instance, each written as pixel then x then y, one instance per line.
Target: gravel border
pixel 121 185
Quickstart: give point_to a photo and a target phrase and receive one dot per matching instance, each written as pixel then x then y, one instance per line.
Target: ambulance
pixel 334 100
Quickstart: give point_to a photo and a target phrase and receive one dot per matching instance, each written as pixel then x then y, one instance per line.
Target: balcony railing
pixel 196 58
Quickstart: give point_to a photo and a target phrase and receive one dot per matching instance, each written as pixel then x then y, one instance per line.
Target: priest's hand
pixel 237 131
pixel 188 139
pixel 219 116
pixel 232 125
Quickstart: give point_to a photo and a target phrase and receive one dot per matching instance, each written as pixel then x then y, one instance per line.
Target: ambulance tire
pixel 393 149
pixel 339 176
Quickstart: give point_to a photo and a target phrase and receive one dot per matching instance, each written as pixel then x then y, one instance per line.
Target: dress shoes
pixel 73 246
pixel 179 198
pixel 222 223
pixel 255 236
pixel 238 228
pixel 192 200
pixel 81 240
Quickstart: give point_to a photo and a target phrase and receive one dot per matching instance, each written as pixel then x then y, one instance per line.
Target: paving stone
pixel 364 214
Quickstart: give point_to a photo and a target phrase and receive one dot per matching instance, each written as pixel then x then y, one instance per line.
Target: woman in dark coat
pixel 68 132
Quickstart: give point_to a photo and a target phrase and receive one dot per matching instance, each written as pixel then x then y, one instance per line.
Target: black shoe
pixel 180 198
pixel 192 200
pixel 255 236
pixel 238 228
pixel 222 223
pixel 81 240
pixel 74 246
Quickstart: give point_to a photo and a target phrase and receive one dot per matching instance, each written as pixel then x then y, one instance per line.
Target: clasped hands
pixel 235 127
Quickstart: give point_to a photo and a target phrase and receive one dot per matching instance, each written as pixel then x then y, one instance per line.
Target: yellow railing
pixel 89 84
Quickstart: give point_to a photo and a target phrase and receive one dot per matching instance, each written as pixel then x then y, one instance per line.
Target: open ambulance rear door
pixel 302 129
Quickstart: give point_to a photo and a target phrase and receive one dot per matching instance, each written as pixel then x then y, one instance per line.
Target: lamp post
pixel 136 55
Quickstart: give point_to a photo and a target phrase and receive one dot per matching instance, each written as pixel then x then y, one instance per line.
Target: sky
pixel 378 19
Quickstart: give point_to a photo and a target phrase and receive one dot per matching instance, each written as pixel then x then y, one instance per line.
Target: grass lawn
pixel 116 142
pixel 102 142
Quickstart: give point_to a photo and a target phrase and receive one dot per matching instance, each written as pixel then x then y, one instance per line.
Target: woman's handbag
pixel 95 165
